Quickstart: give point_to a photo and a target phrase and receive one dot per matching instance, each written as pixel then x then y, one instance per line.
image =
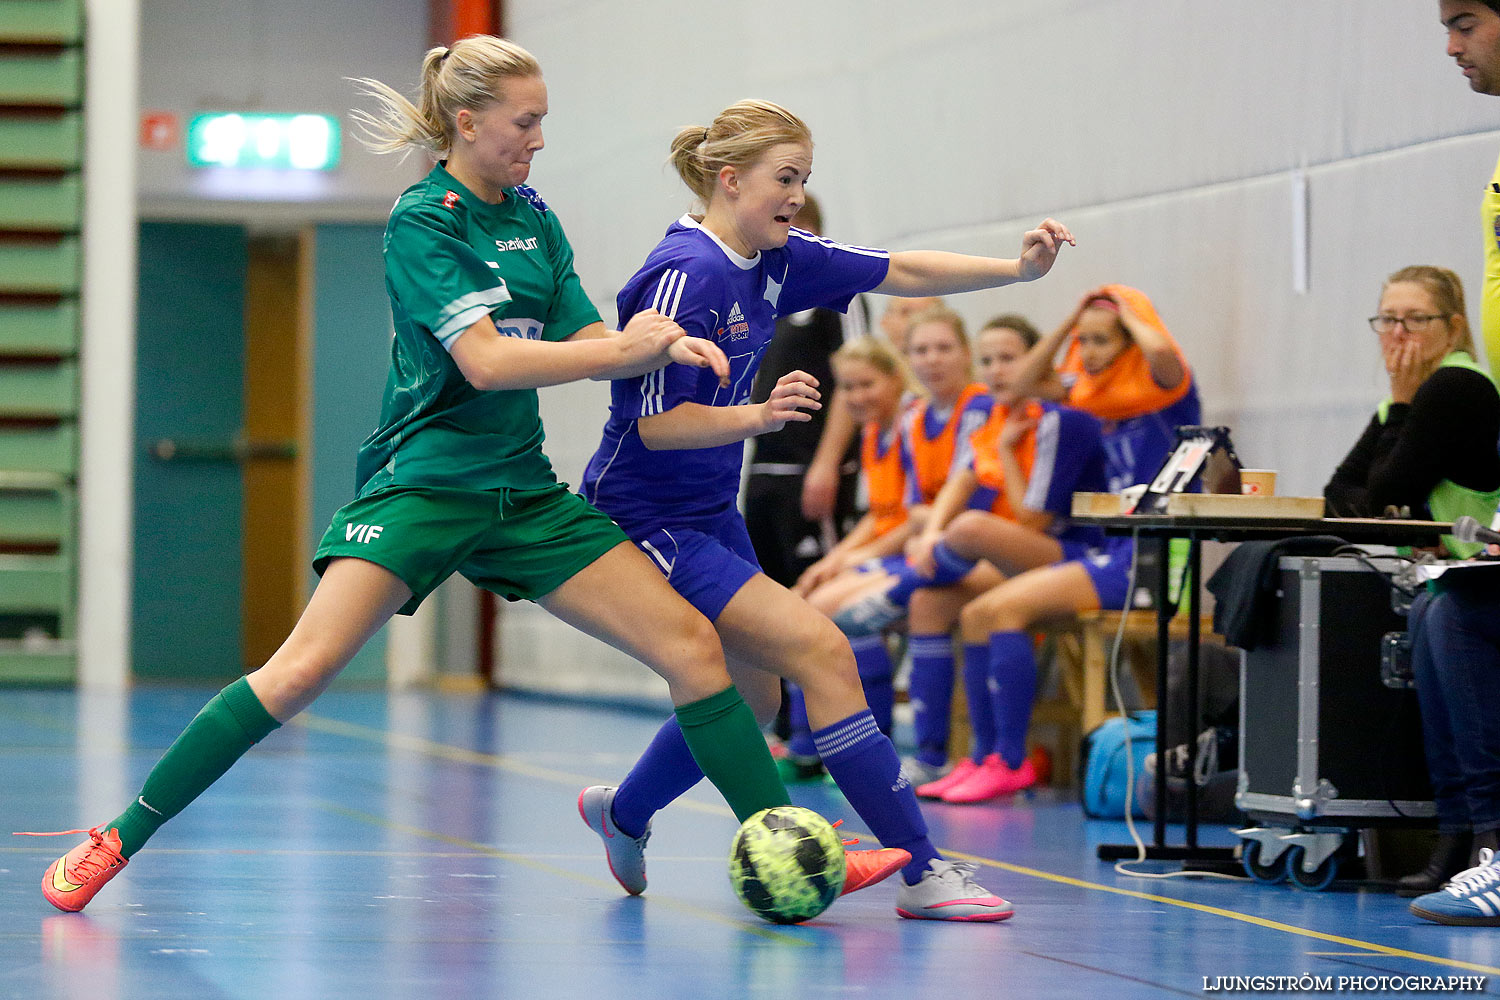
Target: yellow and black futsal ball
pixel 787 864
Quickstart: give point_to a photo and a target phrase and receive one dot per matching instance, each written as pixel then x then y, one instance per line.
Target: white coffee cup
pixel 1258 482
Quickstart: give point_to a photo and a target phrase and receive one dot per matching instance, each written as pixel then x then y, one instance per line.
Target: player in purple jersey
pixel 668 468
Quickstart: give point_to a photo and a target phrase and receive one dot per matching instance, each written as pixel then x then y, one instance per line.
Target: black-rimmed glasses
pixel 1415 323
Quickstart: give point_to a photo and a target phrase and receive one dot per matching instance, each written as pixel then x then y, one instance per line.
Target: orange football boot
pixel 865 868
pixel 73 879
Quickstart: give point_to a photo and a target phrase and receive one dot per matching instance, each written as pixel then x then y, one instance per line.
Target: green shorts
pixel 520 544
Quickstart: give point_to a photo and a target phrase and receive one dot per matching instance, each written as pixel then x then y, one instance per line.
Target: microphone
pixel 1466 529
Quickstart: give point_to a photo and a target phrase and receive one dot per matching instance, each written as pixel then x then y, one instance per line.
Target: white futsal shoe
pixel 626 854
pixel 947 891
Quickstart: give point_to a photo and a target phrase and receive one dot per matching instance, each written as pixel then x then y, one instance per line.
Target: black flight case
pixel 1328 745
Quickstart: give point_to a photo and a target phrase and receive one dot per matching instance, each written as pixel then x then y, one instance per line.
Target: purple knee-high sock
pixel 1013 688
pixel 663 772
pixel 931 693
pixel 864 764
pixel 875 673
pixel 981 708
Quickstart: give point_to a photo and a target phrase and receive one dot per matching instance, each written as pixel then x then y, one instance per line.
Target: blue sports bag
pixel 1102 763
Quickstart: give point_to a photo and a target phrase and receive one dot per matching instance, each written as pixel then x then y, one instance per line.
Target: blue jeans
pixel 1456 659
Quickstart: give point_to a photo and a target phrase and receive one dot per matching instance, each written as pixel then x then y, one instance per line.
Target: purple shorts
pixel 707 569
pixel 1108 567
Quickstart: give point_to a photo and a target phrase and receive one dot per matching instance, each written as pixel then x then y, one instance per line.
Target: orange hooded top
pixel 1125 389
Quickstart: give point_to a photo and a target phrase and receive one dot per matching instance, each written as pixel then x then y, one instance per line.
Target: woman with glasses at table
pixel 1431 446
pixel 1430 449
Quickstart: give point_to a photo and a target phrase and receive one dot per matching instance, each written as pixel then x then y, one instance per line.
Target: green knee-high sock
pixel 231 723
pixel 721 732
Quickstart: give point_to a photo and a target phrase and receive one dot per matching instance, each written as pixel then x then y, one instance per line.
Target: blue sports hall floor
pixel 429 846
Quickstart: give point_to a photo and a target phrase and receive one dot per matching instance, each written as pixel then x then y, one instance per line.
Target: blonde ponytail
pixel 469 75
pixel 690 164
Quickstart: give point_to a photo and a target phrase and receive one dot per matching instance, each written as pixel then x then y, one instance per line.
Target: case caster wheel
pixel 1271 874
pixel 1316 880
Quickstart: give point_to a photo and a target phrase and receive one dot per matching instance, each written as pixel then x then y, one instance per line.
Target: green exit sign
pixel 281 142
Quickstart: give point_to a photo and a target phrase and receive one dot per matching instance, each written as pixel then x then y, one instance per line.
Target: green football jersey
pixel 451 259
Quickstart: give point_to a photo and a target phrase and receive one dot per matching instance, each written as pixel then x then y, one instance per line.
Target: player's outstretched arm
pixel 937 272
pixel 694 425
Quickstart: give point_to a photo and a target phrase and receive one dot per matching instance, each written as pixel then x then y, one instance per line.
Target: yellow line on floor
pixel 418 744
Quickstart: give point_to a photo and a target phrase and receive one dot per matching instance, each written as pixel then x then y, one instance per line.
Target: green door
pixel 351 358
pixel 189 409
